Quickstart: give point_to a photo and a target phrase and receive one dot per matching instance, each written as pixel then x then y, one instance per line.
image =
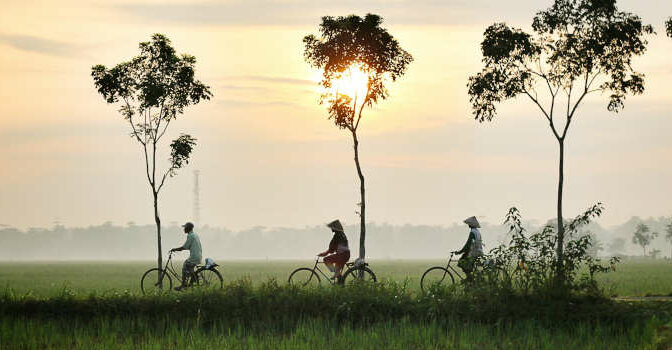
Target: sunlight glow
pixel 353 83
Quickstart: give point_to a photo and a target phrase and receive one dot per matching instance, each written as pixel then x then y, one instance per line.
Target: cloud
pixel 44 46
pixel 289 12
pixel 279 80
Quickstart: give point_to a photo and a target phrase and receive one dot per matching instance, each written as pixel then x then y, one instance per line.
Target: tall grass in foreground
pixel 380 315
pixel 107 333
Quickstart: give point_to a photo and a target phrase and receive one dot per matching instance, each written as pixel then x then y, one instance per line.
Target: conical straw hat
pixel 335 225
pixel 472 222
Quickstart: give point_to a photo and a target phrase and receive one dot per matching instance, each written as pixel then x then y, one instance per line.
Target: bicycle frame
pixel 317 268
pixel 169 268
pixel 451 268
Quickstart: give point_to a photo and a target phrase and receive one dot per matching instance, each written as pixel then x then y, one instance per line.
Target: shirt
pixel 193 244
pixel 474 245
pixel 338 247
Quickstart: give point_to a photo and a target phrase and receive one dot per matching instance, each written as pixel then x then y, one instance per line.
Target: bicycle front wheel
pixel 359 274
pixel 208 279
pixel 155 281
pixel 435 276
pixel 304 277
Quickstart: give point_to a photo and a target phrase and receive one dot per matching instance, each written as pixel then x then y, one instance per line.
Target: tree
pixel 668 235
pixel 351 49
pixel 577 48
pixel 668 26
pixel 643 236
pixel 153 89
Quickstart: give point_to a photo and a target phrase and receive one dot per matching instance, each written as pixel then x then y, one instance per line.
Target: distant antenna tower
pixel 197 199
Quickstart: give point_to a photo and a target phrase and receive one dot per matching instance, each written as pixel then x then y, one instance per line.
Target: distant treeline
pixel 138 242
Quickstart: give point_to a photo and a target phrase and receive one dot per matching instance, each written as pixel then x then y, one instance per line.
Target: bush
pixel 529 264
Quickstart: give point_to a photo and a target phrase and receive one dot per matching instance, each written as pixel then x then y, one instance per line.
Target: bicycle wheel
pixel 436 275
pixel 155 281
pixel 359 274
pixel 304 277
pixel 207 279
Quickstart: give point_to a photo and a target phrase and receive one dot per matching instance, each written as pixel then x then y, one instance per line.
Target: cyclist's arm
pixel 332 248
pixel 185 246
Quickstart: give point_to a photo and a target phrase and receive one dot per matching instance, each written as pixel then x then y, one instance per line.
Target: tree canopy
pixel 354 42
pixel 579 46
pixel 157 78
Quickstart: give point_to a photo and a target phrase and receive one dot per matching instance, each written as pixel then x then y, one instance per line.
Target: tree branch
pixel 163 180
pixel 548 117
pixel 359 117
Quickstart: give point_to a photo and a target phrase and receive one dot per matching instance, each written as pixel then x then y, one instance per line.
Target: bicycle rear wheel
pixel 304 277
pixel 155 281
pixel 207 279
pixel 359 274
pixel 435 276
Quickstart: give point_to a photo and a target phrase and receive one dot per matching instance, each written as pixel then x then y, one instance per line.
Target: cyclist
pixel 193 244
pixel 338 253
pixel 472 249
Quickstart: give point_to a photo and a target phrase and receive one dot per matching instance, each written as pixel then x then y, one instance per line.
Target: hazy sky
pixel 266 151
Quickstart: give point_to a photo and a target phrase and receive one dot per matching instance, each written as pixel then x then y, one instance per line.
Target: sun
pixel 352 82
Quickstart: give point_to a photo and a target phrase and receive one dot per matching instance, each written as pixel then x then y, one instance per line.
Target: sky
pixel 267 154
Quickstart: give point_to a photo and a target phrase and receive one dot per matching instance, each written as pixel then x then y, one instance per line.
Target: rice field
pixel 97 305
pixel 631 278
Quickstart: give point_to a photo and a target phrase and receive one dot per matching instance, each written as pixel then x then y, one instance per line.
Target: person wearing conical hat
pixel 338 253
pixel 472 249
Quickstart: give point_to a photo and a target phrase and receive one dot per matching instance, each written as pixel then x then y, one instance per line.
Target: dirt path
pixel 651 298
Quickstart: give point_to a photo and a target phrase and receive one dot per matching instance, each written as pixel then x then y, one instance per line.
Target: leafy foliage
pixel 668 27
pixel 527 264
pixel 157 78
pixel 180 150
pixel 352 42
pixel 578 46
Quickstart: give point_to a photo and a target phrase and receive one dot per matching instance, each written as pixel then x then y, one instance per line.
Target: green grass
pixel 94 305
pixel 632 278
pixel 104 333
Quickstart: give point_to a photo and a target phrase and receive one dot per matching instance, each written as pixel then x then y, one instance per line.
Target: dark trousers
pixel 187 271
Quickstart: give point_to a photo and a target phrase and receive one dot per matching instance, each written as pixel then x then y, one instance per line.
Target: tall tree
pixel 576 48
pixel 643 236
pixel 348 47
pixel 153 89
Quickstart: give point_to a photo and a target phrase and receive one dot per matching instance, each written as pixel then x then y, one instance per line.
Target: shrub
pixel 528 264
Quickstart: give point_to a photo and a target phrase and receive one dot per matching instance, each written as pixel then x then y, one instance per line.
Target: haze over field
pixel 267 154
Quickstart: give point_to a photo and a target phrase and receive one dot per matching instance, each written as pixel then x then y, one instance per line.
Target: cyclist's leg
pixel 329 263
pixel 466 265
pixel 187 272
pixel 341 259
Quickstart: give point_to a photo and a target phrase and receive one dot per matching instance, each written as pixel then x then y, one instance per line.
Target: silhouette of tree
pixel 643 236
pixel 344 44
pixel 578 47
pixel 668 26
pixel 153 89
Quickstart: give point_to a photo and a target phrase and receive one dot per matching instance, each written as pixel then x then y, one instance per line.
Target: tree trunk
pixel 561 224
pixel 362 213
pixel 158 232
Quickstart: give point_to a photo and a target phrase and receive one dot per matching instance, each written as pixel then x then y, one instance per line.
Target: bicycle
pixel 438 275
pixel 156 280
pixel 305 276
